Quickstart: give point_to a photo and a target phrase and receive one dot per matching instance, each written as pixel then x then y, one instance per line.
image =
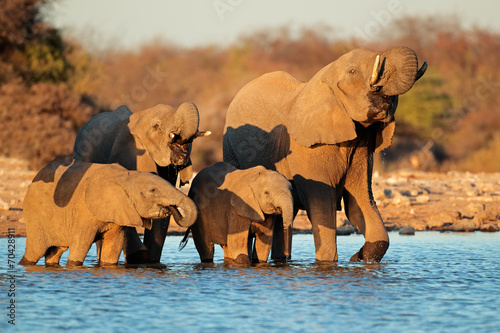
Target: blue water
pixel 430 282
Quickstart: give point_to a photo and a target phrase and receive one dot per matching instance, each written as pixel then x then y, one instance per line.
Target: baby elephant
pixel 235 205
pixel 71 204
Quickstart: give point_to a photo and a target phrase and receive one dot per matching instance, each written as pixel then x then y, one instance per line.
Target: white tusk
pixel 376 69
pixel 172 135
pixel 202 134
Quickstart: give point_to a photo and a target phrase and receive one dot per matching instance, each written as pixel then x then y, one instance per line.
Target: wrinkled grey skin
pixel 321 135
pixel 234 206
pixel 158 140
pixel 71 204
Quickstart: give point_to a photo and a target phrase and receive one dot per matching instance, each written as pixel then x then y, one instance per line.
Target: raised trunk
pixel 399 67
pixel 188 118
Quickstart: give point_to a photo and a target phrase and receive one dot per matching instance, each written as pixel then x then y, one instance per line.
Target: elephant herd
pixel 287 145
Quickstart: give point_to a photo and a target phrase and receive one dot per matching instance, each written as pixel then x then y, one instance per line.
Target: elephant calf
pixel 71 204
pixel 236 205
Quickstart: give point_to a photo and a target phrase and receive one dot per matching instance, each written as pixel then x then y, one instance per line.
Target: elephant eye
pixel 157 127
pixel 352 71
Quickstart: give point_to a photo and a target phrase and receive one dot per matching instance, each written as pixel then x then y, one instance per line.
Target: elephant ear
pixel 317 117
pixel 384 135
pixel 108 201
pixel 243 199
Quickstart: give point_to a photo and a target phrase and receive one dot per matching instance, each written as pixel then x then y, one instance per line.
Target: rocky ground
pixel 407 200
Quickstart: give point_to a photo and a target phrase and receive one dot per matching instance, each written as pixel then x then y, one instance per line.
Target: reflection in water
pixel 415 287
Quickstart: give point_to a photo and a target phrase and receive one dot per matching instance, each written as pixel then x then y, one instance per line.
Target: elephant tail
pixel 184 241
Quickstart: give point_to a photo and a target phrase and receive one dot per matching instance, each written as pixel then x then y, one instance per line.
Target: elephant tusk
pixel 200 134
pixel 376 69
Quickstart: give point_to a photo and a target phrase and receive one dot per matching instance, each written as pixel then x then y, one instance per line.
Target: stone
pixel 346 230
pixel 422 198
pixel 475 207
pixel 489 227
pixel 401 201
pixel 440 220
pixel 408 231
pixel 463 225
pixel 4 205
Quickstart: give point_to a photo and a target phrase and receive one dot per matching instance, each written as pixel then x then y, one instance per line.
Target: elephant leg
pixel 134 250
pixel 263 239
pixel 321 206
pixel 112 245
pixel 361 209
pixel 34 252
pixel 236 250
pixel 78 251
pixel 53 255
pixel 366 217
pixel 154 239
pixel 203 245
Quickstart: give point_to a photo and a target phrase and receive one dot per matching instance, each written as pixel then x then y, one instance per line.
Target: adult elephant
pixel 321 135
pixel 157 140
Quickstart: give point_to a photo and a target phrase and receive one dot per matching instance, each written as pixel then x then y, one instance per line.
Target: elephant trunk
pixel 287 215
pixel 188 118
pixel 399 67
pixel 184 212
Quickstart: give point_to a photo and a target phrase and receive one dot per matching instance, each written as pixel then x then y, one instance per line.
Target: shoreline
pixel 451 201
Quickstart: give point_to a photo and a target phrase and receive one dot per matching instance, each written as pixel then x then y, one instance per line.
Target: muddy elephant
pixel 158 140
pixel 321 135
pixel 236 206
pixel 71 204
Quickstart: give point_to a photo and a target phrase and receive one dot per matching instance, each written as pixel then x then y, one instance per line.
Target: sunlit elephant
pixel 158 140
pixel 71 204
pixel 321 135
pixel 234 207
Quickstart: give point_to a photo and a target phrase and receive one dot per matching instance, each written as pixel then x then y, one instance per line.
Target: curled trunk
pixel 399 67
pixel 184 213
pixel 188 118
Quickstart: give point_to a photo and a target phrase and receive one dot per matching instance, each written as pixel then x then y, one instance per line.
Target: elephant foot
pixel 139 257
pixel 241 259
pixel 26 262
pixel 371 252
pixel 74 263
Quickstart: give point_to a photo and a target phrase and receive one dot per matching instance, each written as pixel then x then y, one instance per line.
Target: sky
pixel 101 24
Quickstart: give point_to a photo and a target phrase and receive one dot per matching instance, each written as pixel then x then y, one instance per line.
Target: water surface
pixel 430 282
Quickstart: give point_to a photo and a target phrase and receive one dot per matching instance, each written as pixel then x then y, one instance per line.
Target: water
pixel 431 282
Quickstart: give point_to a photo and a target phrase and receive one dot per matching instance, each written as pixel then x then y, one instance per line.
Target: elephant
pixel 321 135
pixel 234 206
pixel 71 204
pixel 158 140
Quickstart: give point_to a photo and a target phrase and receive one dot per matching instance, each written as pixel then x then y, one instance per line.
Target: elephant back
pixel 95 139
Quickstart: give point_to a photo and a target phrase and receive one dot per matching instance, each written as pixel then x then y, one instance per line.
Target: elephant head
pixel 133 198
pixel 258 191
pixel 361 86
pixel 167 133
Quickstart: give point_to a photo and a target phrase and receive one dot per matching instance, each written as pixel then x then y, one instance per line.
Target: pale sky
pixel 129 23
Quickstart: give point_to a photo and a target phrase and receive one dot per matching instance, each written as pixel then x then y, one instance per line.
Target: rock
pixel 475 207
pixel 419 225
pixel 463 225
pixel 440 220
pixel 473 192
pixel 346 230
pixel 408 230
pixel 478 220
pixel 4 205
pixel 422 198
pixel 489 227
pixel 401 201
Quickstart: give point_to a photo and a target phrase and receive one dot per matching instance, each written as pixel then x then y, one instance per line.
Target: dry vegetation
pixel 49 86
